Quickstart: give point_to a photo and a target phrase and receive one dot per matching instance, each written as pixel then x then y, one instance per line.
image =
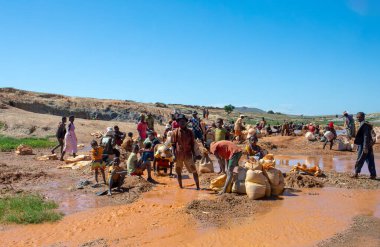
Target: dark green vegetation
pixel 10 143
pixel 27 209
pixel 229 108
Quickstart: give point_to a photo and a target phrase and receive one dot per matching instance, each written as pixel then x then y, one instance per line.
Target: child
pixel 253 149
pixel 116 176
pixel 163 158
pixel 136 167
pixel 127 145
pixel 97 161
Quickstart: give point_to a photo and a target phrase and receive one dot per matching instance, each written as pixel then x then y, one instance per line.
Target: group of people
pixel 179 142
pixel 67 139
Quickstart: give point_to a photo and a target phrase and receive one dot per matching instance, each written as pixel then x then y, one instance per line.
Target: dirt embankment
pixel 330 179
pixel 90 108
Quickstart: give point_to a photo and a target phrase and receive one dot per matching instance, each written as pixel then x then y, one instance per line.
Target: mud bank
pixel 364 231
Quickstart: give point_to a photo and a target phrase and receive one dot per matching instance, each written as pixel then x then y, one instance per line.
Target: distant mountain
pixel 245 109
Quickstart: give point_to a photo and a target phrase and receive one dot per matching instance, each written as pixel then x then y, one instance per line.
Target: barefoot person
pixel 365 141
pixel 116 176
pixel 226 150
pixel 70 139
pixel 97 161
pixel 183 147
pixel 61 131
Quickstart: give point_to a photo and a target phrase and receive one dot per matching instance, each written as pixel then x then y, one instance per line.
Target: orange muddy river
pixel 158 219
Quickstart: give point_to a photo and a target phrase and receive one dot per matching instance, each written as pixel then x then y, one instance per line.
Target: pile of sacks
pixel 314 171
pixel 24 150
pixel 256 179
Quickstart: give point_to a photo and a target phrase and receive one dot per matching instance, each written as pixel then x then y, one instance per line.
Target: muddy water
pixel 328 163
pixel 298 219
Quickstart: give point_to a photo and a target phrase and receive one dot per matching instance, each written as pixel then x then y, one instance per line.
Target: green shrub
pixel 27 209
pixel 10 143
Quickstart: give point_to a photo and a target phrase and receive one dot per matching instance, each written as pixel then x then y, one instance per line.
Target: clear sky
pixel 293 56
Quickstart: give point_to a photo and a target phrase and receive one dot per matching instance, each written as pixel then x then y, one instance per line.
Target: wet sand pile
pixel 364 231
pixel 343 180
pixel 224 208
pixel 298 181
pixel 268 145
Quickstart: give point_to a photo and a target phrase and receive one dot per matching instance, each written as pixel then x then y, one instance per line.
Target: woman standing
pixel 70 139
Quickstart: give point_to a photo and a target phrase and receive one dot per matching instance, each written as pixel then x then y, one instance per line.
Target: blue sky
pixel 293 56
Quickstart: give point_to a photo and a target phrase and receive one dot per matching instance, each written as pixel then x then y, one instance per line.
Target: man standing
pixel 61 131
pixel 285 128
pixel 226 150
pixel 365 142
pixel 197 128
pixel 150 121
pixel 349 123
pixel 183 146
pixel 239 128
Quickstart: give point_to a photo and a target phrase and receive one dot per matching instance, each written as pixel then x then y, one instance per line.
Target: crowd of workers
pixel 177 147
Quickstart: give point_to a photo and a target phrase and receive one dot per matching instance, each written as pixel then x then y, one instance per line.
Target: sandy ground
pixel 165 215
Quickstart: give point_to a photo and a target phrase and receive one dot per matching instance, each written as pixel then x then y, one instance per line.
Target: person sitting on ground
pixel 147 153
pixel 226 150
pixel 116 176
pixel 135 167
pixel 252 149
pixel 331 128
pixel 163 158
pixel 60 134
pixel 97 161
pixel 118 135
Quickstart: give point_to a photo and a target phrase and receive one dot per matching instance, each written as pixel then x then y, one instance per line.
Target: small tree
pixel 229 108
pixel 270 112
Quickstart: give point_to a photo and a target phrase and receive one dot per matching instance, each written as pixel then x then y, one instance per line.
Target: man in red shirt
pixel 183 146
pixel 226 150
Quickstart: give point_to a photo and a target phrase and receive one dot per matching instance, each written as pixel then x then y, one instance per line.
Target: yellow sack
pixel 217 183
